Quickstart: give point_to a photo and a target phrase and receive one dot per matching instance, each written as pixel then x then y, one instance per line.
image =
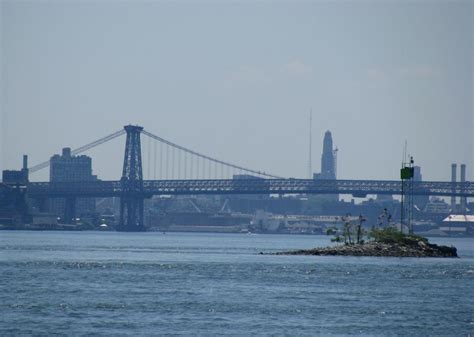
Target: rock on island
pixel 380 249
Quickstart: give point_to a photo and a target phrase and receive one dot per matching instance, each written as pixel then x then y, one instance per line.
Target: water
pixel 101 283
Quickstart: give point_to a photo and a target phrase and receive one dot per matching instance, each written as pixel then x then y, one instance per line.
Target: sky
pixel 236 81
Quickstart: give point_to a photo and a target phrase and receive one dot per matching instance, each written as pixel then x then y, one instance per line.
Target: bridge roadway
pixel 249 186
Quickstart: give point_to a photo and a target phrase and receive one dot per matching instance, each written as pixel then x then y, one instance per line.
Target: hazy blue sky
pixel 237 81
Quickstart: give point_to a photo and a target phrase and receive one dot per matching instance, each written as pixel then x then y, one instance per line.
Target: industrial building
pixel 460 207
pixel 13 206
pixel 419 201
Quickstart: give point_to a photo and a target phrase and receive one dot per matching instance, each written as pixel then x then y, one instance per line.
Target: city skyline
pixel 243 93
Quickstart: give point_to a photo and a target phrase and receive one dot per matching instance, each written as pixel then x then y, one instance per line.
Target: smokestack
pixel 463 180
pixel 453 180
pixel 24 170
pixel 310 159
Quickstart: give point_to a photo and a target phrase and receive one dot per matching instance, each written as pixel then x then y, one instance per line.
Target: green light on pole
pixel 407 173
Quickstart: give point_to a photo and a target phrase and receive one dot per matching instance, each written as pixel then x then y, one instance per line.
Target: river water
pixel 133 284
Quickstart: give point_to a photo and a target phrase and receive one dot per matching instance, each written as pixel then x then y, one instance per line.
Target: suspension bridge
pixel 177 170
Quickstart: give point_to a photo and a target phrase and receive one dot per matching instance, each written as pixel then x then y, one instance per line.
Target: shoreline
pixel 191 230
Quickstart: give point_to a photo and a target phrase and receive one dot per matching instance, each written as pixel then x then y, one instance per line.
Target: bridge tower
pixel 131 201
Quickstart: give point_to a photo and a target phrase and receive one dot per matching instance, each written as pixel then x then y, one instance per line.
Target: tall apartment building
pixel 69 168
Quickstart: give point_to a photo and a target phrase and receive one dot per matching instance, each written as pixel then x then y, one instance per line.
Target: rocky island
pixel 383 242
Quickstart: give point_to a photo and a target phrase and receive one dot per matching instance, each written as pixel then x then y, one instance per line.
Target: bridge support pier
pixel 131 200
pixel 42 204
pixel 131 213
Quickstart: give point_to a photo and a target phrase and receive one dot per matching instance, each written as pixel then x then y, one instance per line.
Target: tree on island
pixel 360 230
pixel 384 219
pixel 383 232
pixel 349 231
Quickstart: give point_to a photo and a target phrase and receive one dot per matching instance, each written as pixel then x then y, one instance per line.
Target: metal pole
pixel 172 163
pixel 197 167
pixel 185 165
pixel 167 161
pixel 179 164
pixel 154 160
pixel 148 159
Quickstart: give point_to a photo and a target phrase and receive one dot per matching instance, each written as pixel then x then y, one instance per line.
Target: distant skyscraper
pixel 328 160
pixel 328 164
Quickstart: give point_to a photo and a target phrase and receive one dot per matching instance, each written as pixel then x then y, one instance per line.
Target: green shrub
pixel 393 235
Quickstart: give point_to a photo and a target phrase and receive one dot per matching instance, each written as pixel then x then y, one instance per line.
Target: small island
pixel 388 242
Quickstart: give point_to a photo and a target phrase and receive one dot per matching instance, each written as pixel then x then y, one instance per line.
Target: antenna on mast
pixel 310 160
pixel 404 159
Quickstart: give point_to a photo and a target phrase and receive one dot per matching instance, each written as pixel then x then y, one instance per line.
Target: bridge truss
pixel 359 188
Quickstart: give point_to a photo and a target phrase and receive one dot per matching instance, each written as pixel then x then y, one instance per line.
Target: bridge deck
pixel 250 186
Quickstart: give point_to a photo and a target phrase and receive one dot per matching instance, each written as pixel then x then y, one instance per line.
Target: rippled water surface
pixel 100 283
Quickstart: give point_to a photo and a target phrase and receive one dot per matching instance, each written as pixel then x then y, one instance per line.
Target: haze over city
pixel 237 81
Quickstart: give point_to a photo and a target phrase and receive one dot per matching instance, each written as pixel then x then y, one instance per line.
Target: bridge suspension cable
pixel 81 149
pixel 203 157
